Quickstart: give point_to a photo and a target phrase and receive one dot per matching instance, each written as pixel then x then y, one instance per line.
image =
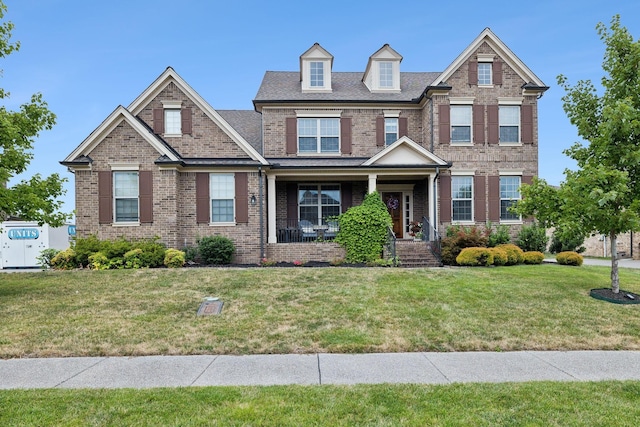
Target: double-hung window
pixel 386 74
pixel 390 130
pixel 172 121
pixel 509 196
pixel 126 196
pixel 509 119
pixel 319 135
pixel 461 123
pixel 317 202
pixel 485 73
pixel 316 70
pixel 462 198
pixel 222 191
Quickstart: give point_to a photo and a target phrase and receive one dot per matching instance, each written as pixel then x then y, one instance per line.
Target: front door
pixel 393 200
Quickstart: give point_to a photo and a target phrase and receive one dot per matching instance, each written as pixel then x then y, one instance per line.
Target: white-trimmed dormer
pixel 315 69
pixel 383 71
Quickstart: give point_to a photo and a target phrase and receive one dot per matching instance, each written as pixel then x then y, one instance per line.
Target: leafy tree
pixel 35 199
pixel 603 194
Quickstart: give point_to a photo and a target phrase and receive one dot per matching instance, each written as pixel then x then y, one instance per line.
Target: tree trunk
pixel 615 280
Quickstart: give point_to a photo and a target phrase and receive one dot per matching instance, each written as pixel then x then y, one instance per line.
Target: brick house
pixel 440 147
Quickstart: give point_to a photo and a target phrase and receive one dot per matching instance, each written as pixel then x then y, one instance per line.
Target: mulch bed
pixel 622 297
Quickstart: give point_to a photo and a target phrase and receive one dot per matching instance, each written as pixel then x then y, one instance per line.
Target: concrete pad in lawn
pixel 594 365
pixel 42 373
pixel 378 368
pixel 265 369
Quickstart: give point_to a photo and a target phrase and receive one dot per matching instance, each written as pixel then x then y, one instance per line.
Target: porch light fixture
pixel 253 200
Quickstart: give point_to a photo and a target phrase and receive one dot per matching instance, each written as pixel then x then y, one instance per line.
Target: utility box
pixel 22 242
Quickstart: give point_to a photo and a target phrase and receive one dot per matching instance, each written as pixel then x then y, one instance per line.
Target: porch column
pixel 271 209
pixel 373 178
pixel 431 191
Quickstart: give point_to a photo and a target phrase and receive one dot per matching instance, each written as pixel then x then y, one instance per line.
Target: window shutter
pixel 380 131
pixel 526 122
pixel 526 179
pixel 445 198
pixel 444 124
pixel 478 124
pixel 202 198
pixel 242 197
pixel 497 72
pixel 473 73
pixel 346 194
pixel 345 135
pixel 479 199
pixel 292 204
pixel 186 121
pixel 158 120
pixel 292 135
pixel 145 185
pixel 105 197
pixel 494 198
pixel 403 127
pixel 493 125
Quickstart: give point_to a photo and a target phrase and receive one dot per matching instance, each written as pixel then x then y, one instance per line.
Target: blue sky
pixel 87 57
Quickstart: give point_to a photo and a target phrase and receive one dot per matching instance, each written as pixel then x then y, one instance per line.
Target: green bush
pixel 174 258
pixel 500 256
pixel 515 255
pixel 499 236
pixel 533 238
pixel 363 229
pixel 191 253
pixel 115 248
pixel 473 257
pixel 533 257
pixel 569 258
pixel 64 260
pixel 153 252
pixel 133 258
pixel 566 241
pixel 99 261
pixel 84 247
pixel 457 239
pixel 216 250
pixel 45 257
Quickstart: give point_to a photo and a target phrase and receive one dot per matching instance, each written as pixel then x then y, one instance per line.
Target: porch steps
pixel 413 254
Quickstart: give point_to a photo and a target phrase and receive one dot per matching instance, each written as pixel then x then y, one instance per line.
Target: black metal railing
pixel 303 231
pixel 390 246
pixel 431 235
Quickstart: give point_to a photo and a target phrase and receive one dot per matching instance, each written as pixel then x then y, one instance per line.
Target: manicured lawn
pixel 302 310
pixel 530 404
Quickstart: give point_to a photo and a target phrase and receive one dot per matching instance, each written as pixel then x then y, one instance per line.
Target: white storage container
pixel 21 242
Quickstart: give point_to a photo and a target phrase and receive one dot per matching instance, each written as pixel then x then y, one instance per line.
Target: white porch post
pixel 431 191
pixel 271 209
pixel 373 178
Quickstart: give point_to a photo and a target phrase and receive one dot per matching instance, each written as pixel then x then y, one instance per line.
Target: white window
pixel 509 123
pixel 319 135
pixel 317 74
pixel 222 191
pixel 386 74
pixel 462 198
pixel 390 130
pixel 509 196
pixel 125 194
pixel 172 121
pixel 484 73
pixel 318 203
pixel 461 123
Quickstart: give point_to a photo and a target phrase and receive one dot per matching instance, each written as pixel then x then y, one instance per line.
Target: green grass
pixel 305 310
pixel 512 404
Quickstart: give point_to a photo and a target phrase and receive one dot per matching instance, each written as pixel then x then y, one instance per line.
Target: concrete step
pixel 413 253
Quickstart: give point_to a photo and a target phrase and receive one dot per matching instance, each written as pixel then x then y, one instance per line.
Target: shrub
pixel 533 257
pixel 174 258
pixel 533 238
pixel 216 250
pixel 499 256
pixel 566 241
pixel 99 261
pixel 84 247
pixel 133 258
pixel 475 257
pixel 64 260
pixel 515 255
pixel 191 253
pixel 363 229
pixel 153 252
pixel 569 258
pixel 499 236
pixel 45 257
pixel 459 238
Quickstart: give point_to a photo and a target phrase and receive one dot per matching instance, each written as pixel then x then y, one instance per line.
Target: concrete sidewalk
pixel 622 263
pixel 317 369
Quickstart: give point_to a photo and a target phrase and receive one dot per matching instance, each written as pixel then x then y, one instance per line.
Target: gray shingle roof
pixel 247 123
pixel 346 86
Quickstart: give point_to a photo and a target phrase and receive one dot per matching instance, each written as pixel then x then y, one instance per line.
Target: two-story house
pixel 439 147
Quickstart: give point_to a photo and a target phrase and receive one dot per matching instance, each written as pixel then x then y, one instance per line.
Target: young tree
pixel 603 194
pixel 35 199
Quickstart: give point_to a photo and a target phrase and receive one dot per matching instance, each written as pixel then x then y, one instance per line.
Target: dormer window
pixel 315 70
pixel 383 71
pixel 386 75
pixel 317 74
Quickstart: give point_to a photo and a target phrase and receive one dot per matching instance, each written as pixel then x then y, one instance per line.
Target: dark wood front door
pixel 393 200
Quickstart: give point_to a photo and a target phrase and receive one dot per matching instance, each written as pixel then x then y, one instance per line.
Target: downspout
pixel 435 198
pixel 431 124
pixel 260 206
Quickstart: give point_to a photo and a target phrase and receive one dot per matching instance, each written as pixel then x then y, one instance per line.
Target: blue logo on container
pixel 23 233
pixel 71 230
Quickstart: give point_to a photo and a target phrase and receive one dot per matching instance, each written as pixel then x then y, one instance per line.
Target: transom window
pixel 172 121
pixel 484 73
pixel 125 193
pixel 222 191
pixel 509 196
pixel 390 130
pixel 509 123
pixel 386 74
pixel 317 202
pixel 461 123
pixel 317 74
pixel 319 135
pixel 462 198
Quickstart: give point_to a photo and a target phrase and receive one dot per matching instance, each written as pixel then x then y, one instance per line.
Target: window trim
pixel 319 205
pixel 509 174
pixel 318 135
pixel 313 66
pixel 518 124
pixel 490 68
pixel 211 199
pixel 387 121
pixel 115 171
pixel 462 174
pixel 452 124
